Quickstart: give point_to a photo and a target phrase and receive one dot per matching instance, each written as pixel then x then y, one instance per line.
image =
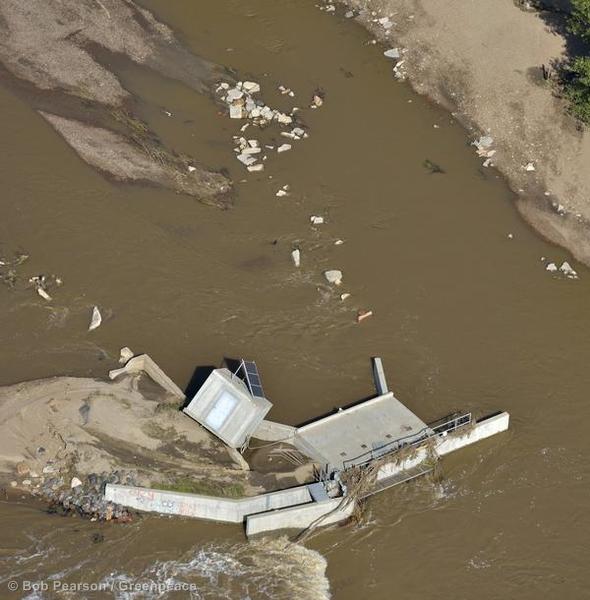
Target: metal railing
pixel 442 426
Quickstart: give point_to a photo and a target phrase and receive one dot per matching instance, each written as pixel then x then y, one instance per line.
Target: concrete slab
pixel 300 517
pixel 357 434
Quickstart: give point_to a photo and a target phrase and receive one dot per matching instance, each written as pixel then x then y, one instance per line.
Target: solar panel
pixel 253 378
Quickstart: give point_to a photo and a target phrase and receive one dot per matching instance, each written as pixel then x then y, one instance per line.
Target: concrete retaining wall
pixel 269 431
pixel 480 431
pixel 203 507
pixel 146 364
pixel 299 517
pixel 449 443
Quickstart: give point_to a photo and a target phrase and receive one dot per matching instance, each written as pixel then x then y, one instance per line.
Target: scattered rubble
pixel 568 271
pixel 565 269
pixel 242 104
pixel 400 71
pixel 296 256
pixel 284 191
pixel 42 283
pixel 285 91
pixel 9 266
pixel 484 149
pixel 315 220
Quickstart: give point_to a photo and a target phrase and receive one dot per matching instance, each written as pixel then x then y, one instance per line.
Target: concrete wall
pixel 144 363
pixel 299 517
pixel 480 431
pixel 449 443
pixel 269 431
pixel 203 507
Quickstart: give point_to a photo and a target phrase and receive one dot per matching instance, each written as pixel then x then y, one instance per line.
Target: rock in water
pixel 96 319
pixel 296 256
pixel 333 276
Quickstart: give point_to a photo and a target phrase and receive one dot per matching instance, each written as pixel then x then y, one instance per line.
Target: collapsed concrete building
pixel 357 451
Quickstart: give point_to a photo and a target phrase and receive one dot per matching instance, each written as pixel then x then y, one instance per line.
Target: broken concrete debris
pixel 484 149
pixel 392 53
pixel 42 283
pixel 333 276
pixel 568 271
pixel 316 220
pixel 242 105
pixel 363 314
pixel 96 319
pixel 385 22
pixel 251 87
pixel 296 256
pixel 400 71
pixel 125 355
pixel 284 191
pixel 551 267
pixel 285 91
pixel 246 159
pixel 344 296
pixel 317 99
pixel 565 269
pixel 529 167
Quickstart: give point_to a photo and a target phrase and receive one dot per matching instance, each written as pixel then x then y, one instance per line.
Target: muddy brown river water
pixel 464 318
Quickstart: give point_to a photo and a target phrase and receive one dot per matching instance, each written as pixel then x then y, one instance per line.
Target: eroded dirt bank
pixel 483 61
pixel 57 55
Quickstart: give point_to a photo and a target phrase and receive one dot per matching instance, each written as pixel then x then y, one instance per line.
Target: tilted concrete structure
pixel 226 407
pixel 145 364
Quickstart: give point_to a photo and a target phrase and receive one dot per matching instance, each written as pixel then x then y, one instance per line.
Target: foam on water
pixel 264 569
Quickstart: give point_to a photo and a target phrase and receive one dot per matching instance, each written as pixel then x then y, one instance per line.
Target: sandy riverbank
pixel 59 58
pixel 130 431
pixel 482 61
